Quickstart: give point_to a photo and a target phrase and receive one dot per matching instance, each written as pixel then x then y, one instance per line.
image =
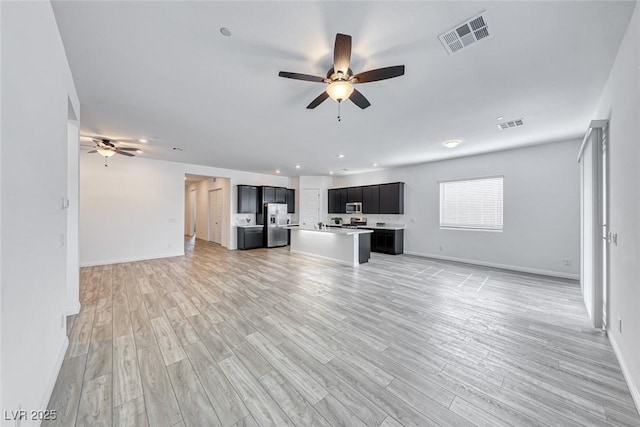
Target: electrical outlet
pixel 620 325
pixel 441 248
pixel 62 321
pixel 566 261
pixel 62 240
pixel 614 239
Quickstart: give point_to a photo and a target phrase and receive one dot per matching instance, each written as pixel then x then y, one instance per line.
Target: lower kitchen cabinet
pixel 250 237
pixel 388 241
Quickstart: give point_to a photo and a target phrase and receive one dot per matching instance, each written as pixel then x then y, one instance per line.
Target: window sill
pixel 471 229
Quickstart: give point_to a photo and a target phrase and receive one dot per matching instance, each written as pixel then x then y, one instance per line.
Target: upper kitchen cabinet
pixel 344 197
pixel 392 198
pixel 281 195
pixel 354 194
pixel 291 200
pixel 334 201
pixel 371 199
pixel 247 199
pixel 268 195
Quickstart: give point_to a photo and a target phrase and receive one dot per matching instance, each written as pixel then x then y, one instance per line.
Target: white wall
pixel 621 105
pixel 541 209
pixel 134 209
pixel 36 86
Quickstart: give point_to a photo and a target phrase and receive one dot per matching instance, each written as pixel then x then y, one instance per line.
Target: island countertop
pixel 343 231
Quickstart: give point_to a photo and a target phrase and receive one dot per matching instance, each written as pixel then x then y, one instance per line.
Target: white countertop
pixel 249 226
pixel 384 227
pixel 343 231
pixel 375 227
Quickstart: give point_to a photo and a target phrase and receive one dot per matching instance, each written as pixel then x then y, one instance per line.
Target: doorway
pixel 215 216
pixel 193 214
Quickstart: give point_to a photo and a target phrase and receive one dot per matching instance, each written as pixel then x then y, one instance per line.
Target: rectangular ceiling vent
pixel 465 34
pixel 510 124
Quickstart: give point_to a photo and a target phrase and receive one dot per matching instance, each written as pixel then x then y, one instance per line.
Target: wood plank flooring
pixel 266 338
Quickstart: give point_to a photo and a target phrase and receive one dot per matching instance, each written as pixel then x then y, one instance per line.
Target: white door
pixel 215 216
pixel 192 214
pixel 310 206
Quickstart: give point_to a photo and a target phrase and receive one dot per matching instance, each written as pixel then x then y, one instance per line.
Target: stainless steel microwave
pixel 355 207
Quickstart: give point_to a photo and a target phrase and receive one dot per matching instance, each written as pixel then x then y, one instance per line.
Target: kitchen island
pixel 346 246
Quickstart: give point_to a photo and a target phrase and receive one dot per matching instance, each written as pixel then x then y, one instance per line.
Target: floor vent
pixel 510 124
pixel 465 34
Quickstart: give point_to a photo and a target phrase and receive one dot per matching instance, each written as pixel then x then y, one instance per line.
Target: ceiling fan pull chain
pixel 105 162
pixel 339 102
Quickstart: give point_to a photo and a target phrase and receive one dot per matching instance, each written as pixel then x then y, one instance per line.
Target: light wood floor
pixel 261 337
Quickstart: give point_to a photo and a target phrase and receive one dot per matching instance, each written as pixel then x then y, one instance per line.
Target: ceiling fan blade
pixel 298 76
pixel 124 153
pixel 93 151
pixel 103 141
pixel 359 99
pixel 380 74
pixel 127 149
pixel 342 53
pixel 319 100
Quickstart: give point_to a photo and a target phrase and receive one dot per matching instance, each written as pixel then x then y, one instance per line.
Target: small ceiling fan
pixel 340 78
pixel 107 147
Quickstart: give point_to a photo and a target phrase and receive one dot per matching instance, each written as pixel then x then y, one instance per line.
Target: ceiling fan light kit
pixel 340 90
pixel 105 152
pixel 340 79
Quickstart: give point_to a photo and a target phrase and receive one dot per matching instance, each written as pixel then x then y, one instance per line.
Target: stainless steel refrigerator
pixel 275 222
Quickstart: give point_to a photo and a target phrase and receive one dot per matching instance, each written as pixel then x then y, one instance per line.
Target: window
pixel 472 204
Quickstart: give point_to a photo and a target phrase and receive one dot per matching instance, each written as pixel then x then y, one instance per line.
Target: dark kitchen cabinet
pixel 344 196
pixel 371 199
pixel 392 198
pixel 388 241
pixel 281 195
pixel 354 194
pixel 291 200
pixel 268 195
pixel 250 237
pixel 334 201
pixel 247 199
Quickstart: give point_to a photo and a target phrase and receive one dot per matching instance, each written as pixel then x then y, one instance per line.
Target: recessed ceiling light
pixel 297 166
pixel 225 31
pixel 330 172
pixel 341 156
pixel 143 140
pixel 277 170
pixel 374 165
pixel 451 143
pixel 499 118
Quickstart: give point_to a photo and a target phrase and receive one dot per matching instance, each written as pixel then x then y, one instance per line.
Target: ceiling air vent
pixel 465 34
pixel 510 124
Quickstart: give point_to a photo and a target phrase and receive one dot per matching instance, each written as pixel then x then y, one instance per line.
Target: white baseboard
pixel 132 259
pixel 73 309
pixel 501 266
pixel 633 387
pixel 54 375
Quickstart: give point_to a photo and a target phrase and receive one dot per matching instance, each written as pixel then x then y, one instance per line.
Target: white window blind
pixel 472 204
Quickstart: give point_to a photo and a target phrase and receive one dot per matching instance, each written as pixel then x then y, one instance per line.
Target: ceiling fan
pixel 340 78
pixel 107 147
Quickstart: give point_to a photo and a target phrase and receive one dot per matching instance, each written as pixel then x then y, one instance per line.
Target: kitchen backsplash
pixel 371 219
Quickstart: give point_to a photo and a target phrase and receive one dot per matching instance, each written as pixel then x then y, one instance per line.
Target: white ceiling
pixel 162 71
